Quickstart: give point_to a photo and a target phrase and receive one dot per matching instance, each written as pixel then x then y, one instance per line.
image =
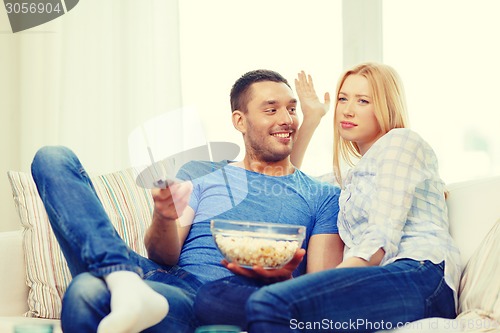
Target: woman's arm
pixel 392 170
pixel 375 260
pixel 313 110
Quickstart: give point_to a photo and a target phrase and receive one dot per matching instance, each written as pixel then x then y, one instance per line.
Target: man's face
pixel 270 124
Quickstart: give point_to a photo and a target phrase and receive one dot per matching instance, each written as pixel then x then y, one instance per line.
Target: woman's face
pixel 355 113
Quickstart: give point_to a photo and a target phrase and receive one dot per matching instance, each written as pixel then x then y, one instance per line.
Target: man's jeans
pixel 223 301
pixel 353 299
pixel 93 248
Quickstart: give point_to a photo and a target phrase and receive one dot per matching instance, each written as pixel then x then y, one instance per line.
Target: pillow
pixel 47 275
pixel 479 294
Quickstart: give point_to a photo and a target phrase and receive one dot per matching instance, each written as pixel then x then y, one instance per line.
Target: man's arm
pixel 325 251
pixel 172 219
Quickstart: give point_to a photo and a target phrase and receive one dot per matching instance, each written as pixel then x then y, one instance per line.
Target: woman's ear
pixel 239 121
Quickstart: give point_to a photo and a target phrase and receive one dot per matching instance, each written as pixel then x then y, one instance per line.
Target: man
pixel 116 290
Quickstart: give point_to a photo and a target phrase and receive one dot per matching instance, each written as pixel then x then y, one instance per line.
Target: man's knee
pixel 86 301
pixel 51 154
pixel 86 290
pixel 49 159
pixel 206 302
pixel 262 302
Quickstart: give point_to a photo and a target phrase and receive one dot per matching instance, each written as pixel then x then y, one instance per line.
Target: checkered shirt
pixel 394 199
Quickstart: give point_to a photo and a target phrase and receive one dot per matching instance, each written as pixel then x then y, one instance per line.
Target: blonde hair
pixel 389 104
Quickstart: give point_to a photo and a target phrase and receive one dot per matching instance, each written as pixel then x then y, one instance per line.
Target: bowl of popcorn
pixel 269 245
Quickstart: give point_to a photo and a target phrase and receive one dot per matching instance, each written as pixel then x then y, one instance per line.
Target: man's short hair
pixel 240 94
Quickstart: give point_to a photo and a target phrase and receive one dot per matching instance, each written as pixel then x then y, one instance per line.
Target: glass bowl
pixel 269 245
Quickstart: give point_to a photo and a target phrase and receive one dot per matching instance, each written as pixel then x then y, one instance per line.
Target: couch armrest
pixel 473 210
pixel 13 289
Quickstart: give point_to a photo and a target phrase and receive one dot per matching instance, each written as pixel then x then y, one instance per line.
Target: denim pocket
pixel 441 303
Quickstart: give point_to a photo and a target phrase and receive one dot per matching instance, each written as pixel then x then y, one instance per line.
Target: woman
pixel 400 263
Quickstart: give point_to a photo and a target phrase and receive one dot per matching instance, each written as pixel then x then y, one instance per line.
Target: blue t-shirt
pixel 224 191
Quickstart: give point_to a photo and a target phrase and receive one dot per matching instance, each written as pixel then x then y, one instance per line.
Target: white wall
pixel 9 125
pixel 85 80
pixel 448 59
pixel 88 78
pixel 223 39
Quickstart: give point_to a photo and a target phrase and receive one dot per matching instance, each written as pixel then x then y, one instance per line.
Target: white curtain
pixel 85 80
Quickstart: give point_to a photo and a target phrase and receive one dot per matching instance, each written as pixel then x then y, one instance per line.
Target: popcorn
pixel 249 251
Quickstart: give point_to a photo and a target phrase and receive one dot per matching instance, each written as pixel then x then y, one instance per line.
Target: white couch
pixel 13 289
pixel 474 207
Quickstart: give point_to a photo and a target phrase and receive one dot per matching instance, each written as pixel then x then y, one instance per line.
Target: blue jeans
pixel 93 248
pixel 353 299
pixel 223 302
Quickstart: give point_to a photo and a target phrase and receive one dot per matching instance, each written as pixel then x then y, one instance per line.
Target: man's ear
pixel 239 121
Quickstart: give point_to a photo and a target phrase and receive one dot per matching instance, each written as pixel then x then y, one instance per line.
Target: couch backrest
pixel 473 208
pixel 13 289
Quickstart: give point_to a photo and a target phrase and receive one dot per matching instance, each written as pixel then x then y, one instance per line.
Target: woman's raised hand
pixel 310 104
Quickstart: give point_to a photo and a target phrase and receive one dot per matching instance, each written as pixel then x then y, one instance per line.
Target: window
pixel 221 40
pixel 447 55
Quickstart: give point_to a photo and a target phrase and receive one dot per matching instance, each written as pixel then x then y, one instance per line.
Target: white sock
pixel 134 305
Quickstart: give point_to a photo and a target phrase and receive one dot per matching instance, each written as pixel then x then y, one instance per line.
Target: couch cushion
pixel 47 275
pixel 13 290
pixel 473 209
pixel 480 283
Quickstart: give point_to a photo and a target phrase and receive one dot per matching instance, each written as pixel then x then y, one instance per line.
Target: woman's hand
pixel 313 110
pixel 311 106
pixel 375 260
pixel 268 275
